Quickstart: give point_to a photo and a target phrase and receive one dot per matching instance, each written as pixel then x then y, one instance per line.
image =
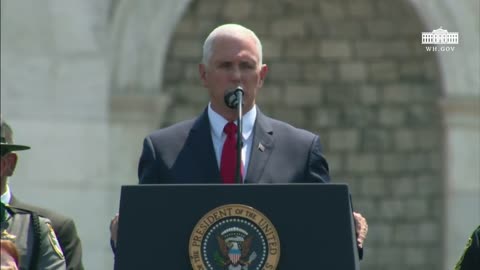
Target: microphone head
pixel 231 99
pixel 239 89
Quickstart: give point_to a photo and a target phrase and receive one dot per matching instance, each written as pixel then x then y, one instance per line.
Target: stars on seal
pixel 234 244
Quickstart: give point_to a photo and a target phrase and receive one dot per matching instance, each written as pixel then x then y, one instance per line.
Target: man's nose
pixel 236 74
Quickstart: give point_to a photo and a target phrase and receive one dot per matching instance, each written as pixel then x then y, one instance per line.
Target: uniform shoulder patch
pixel 54 241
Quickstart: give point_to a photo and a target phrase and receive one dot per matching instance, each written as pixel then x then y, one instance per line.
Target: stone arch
pixel 140 36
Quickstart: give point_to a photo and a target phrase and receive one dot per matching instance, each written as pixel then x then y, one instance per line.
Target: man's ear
pixel 202 71
pixel 263 74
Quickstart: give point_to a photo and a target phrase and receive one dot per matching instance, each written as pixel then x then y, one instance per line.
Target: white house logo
pixel 234 237
pixel 440 36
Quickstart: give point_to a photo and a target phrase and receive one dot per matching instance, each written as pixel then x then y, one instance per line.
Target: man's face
pixel 7 164
pixel 234 62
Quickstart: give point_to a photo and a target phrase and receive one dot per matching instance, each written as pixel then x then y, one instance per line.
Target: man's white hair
pixel 232 30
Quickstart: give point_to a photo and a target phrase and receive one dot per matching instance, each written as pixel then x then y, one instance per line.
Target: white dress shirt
pixel 6 196
pixel 217 123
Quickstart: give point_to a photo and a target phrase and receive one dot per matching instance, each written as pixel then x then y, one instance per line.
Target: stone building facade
pixel 84 81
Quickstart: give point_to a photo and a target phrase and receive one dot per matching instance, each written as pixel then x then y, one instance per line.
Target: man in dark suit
pixel 64 227
pixel 273 151
pixel 273 158
pixel 193 151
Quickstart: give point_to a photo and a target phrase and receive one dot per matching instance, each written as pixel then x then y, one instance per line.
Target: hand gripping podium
pixel 249 226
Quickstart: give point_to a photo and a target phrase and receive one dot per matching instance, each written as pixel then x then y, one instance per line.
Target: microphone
pixel 232 97
pixel 234 100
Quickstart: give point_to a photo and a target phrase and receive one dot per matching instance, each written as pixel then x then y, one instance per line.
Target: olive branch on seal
pixel 219 260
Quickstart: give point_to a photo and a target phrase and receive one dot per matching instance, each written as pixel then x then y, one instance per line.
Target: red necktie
pixel 229 154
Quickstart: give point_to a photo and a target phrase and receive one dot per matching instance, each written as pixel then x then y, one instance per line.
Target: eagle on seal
pixel 235 253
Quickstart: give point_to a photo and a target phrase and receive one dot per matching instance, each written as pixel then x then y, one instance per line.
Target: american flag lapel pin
pixel 261 147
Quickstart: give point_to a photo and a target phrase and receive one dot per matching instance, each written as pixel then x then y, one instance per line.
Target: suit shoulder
pixel 19 210
pixel 55 218
pixel 178 129
pixel 283 128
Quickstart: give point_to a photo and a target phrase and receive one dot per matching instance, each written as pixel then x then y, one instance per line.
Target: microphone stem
pixel 238 175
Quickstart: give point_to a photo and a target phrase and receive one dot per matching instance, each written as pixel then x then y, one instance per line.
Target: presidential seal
pixel 234 237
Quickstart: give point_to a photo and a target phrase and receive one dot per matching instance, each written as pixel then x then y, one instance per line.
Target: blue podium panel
pixel 159 224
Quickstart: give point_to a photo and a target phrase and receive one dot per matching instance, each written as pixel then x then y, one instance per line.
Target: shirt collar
pixel 7 196
pixel 217 122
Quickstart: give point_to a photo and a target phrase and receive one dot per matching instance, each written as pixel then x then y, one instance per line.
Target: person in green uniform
pixel 470 259
pixel 63 226
pixel 21 227
pixel 33 235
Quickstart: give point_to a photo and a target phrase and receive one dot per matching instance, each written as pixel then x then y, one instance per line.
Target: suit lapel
pixel 262 147
pixel 201 145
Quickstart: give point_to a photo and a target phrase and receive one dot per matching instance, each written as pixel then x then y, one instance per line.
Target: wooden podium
pixel 295 226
